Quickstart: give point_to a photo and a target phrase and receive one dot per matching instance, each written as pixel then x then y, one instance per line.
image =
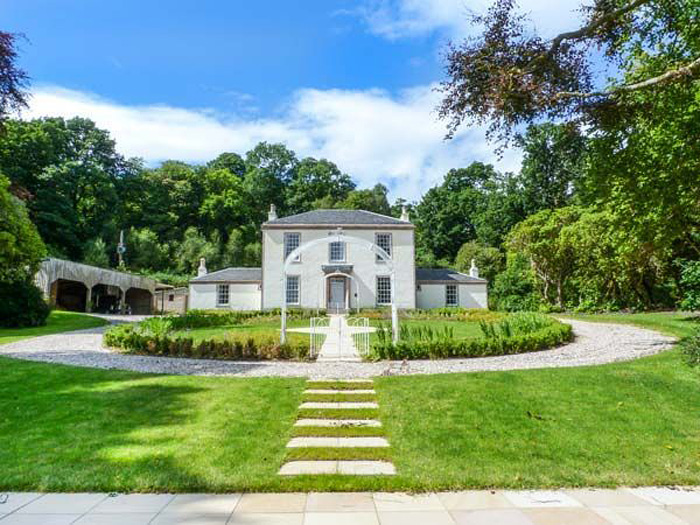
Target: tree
pixel 515 288
pixel 145 251
pixel 193 247
pixel 316 184
pixel 95 253
pixel 13 80
pixel 269 170
pixel 489 260
pixel 374 199
pixel 225 203
pixel 232 162
pixel 509 76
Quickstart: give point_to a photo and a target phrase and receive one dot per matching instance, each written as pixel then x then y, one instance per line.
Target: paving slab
pixel 116 519
pixel 202 504
pixel 688 513
pixel 401 501
pixel 540 498
pixel 316 404
pixel 337 442
pixel 331 380
pixel 337 423
pixel 128 503
pixel 14 500
pixel 638 515
pixel 340 502
pixel 606 497
pixel 179 518
pixel 298 468
pixel 40 519
pixel 341 518
pixel 491 517
pixel 349 393
pixel 260 518
pixel 366 468
pixel 565 516
pixel 432 517
pixel 70 503
pixel 667 496
pixel 474 499
pixel 272 502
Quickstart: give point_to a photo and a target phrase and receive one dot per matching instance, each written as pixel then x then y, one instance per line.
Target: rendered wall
pixel 365 268
pixel 472 295
pixel 241 296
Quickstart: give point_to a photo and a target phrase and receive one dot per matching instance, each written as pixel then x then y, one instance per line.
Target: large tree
pixel 316 184
pixel 13 79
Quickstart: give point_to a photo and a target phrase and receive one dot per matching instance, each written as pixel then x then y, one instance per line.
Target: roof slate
pixel 320 217
pixel 444 274
pixel 231 274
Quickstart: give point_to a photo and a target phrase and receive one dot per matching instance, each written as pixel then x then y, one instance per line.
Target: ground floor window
pixel 222 294
pixel 293 289
pixel 383 290
pixel 451 295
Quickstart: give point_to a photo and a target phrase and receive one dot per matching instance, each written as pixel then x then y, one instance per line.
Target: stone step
pixel 350 468
pixel 347 404
pixel 337 442
pixel 338 423
pixel 344 392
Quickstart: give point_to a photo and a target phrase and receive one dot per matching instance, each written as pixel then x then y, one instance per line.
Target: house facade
pixel 337 260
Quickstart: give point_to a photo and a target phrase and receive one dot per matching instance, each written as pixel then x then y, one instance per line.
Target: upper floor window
pixel 293 289
pixel 336 252
pixel 222 294
pixel 383 240
pixel 451 295
pixel 292 241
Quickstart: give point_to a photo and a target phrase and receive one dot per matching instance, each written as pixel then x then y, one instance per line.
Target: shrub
pixel 522 333
pixel 690 284
pixel 22 304
pixel 691 349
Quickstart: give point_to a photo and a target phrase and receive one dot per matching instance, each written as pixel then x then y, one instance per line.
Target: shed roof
pixel 338 218
pixel 252 275
pixel 444 275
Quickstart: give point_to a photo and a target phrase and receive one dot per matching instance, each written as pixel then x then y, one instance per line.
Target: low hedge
pixel 452 313
pixel 212 318
pixel 442 347
pixel 133 339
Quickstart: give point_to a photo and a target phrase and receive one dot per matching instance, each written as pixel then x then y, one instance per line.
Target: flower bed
pixel 157 336
pixel 513 334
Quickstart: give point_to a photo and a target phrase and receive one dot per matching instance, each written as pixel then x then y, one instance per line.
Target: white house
pixel 337 260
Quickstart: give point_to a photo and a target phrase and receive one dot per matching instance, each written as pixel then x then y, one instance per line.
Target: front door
pixel 336 295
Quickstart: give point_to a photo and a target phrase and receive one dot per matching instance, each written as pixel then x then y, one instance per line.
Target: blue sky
pixel 350 81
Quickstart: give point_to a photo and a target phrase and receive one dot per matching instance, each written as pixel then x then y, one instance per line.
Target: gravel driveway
pixel 596 343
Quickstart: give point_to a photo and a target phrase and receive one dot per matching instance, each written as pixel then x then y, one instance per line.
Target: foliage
pixel 95 254
pixel 690 347
pixel 690 283
pixel 13 80
pixel 374 199
pixel 490 261
pixel 22 305
pixel 515 288
pixel 524 333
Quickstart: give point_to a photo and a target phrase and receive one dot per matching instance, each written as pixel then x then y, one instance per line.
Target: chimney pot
pixel 272 214
pixel 202 270
pixel 474 271
pixel 404 214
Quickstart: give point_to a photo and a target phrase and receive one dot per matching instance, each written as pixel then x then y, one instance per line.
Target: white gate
pixel 319 330
pixel 359 329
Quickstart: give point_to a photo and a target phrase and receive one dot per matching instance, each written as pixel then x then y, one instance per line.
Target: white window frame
pixel 330 252
pixel 293 279
pixel 389 249
pixel 448 288
pixel 221 290
pixel 286 251
pixel 383 279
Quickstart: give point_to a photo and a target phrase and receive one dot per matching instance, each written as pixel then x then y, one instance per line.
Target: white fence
pixel 359 328
pixel 319 330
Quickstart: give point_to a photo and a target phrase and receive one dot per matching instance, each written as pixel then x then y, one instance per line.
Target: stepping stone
pixel 354 468
pixel 338 423
pixel 344 392
pixel 318 404
pixel 366 468
pixel 339 381
pixel 337 442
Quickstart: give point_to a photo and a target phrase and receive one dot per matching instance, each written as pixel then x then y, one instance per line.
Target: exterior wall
pixel 242 296
pixel 162 302
pixel 472 295
pixel 364 273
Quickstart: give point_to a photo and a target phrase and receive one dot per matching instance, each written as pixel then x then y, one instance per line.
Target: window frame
pixel 448 288
pixel 382 278
pixel 285 253
pixel 390 251
pixel 219 289
pixel 297 279
pixel 330 252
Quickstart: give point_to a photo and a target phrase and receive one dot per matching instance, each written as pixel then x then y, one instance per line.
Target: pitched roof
pixel 338 217
pixel 253 275
pixel 444 275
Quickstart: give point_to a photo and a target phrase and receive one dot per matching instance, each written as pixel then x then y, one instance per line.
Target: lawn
pixel 64 428
pixel 58 321
pixel 271 328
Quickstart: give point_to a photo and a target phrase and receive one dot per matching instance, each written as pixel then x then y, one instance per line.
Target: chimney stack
pixel 474 271
pixel 404 214
pixel 202 270
pixel 272 214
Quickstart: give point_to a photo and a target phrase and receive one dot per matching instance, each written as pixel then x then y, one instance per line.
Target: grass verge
pixel 58 321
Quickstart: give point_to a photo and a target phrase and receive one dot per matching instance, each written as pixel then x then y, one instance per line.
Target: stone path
pixel 596 343
pixel 636 506
pixel 338 432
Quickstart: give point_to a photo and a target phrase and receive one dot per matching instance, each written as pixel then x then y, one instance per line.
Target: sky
pixel 350 81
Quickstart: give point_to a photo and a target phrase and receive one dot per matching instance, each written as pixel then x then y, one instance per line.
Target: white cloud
pixel 394 19
pixel 372 135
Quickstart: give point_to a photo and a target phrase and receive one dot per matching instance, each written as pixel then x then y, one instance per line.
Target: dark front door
pixel 336 294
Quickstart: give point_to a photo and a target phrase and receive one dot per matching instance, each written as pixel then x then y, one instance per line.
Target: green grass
pixel 345 431
pixel 677 324
pixel 339 413
pixel 75 429
pixel 268 328
pixel 58 321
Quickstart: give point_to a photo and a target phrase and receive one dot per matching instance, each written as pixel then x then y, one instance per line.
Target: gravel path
pixel 596 343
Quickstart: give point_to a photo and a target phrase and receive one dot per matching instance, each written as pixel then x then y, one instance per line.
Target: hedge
pixel 248 347
pixel 442 347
